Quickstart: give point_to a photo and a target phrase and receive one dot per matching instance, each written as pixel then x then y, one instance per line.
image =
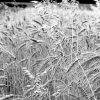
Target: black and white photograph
pixel 50 50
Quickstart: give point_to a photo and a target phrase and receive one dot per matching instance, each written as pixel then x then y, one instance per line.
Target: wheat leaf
pixel 87 80
pixel 7 97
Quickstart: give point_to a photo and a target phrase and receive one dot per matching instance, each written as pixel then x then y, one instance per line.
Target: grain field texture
pixel 49 52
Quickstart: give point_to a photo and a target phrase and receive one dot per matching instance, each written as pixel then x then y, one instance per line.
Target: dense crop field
pixel 49 52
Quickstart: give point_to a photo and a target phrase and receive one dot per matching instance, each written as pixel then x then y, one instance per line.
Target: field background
pixel 50 52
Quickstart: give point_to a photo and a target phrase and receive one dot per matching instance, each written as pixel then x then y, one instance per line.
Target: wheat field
pixel 49 52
